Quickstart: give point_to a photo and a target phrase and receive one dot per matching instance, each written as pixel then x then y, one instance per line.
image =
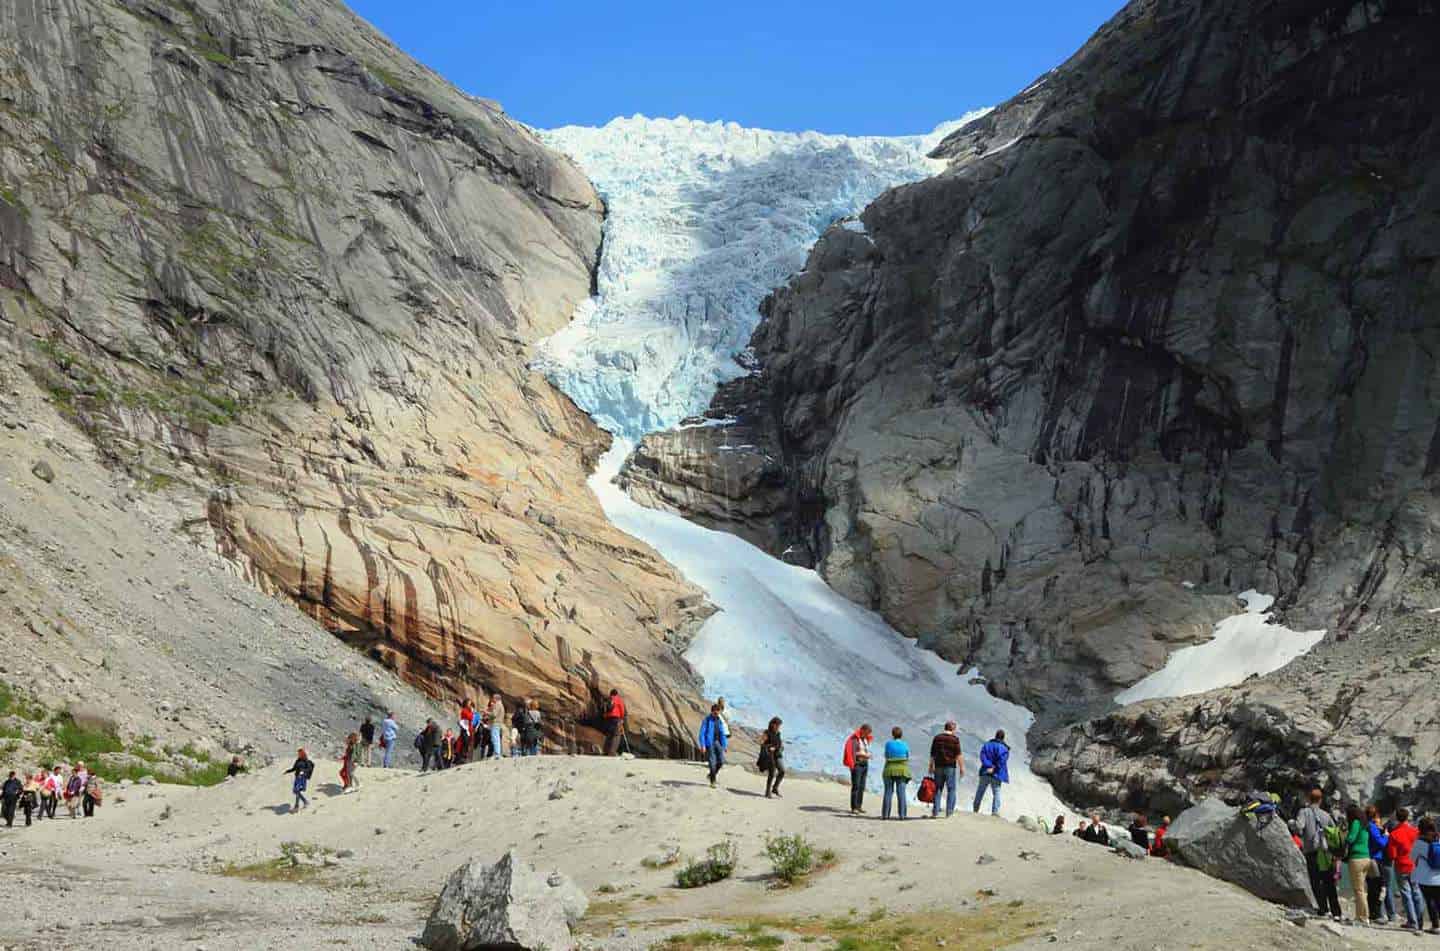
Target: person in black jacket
pixel 303 769
pixel 9 796
pixel 367 740
pixel 1140 831
pixel 429 745
pixel 772 758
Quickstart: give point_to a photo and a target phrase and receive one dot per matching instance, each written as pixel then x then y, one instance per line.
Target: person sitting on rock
pixel 303 769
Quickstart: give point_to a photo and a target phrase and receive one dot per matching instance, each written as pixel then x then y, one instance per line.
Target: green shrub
pixel 78 743
pixel 791 856
pixel 718 865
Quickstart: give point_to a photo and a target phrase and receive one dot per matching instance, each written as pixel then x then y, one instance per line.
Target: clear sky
pixel 873 68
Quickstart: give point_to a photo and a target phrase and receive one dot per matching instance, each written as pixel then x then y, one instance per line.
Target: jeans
pixel 716 757
pixel 1372 896
pixel 946 781
pixel 1387 881
pixel 388 758
pixel 1410 900
pixel 495 741
pixel 895 785
pixel 1322 883
pixel 988 782
pixel 614 726
pixel 87 803
pixel 858 774
pixel 1431 895
pixel 7 811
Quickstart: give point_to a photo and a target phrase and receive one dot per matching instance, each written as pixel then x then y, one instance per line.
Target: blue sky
pixel 863 68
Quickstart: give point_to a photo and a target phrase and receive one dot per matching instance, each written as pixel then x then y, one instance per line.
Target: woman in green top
pixel 897 772
pixel 1357 858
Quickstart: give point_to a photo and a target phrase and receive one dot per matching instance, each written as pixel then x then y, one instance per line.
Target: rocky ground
pixel 171 867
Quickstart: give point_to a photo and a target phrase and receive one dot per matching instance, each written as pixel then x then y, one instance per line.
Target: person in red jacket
pixel 1402 842
pixel 857 760
pixel 614 723
pixel 1158 848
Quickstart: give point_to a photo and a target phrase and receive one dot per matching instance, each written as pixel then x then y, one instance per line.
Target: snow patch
pixel 1243 645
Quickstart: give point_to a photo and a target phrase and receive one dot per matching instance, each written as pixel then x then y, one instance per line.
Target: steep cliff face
pixel 1170 317
pixel 260 254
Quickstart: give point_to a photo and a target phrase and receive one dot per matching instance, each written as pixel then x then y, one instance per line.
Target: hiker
pixel 1099 834
pixel 303 769
pixel 772 758
pixel 93 795
pixel 28 798
pixel 49 793
pixel 10 798
pixel 1402 843
pixel 1319 859
pixel 495 717
pixel 1158 848
pixel 947 765
pixel 1140 831
pixel 896 773
pixel 349 778
pixel 389 732
pixel 235 768
pixel 1426 856
pixel 994 771
pixel 1059 827
pixel 367 740
pixel 447 749
pixel 532 729
pixel 1357 859
pixel 724 717
pixel 74 788
pixel 857 759
pixel 1378 841
pixel 427 742
pixel 465 737
pixel 1082 832
pixel 713 742
pixel 614 723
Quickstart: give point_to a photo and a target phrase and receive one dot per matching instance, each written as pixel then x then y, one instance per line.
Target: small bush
pixel 792 856
pixel 78 743
pixel 718 865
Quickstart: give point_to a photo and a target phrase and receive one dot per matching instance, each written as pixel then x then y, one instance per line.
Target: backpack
pixel 420 740
pixel 95 791
pixel 927 790
pixel 1335 841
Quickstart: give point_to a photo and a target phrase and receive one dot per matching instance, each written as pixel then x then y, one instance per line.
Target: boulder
pixel 1256 854
pixel 1126 847
pixel 92 718
pixel 505 905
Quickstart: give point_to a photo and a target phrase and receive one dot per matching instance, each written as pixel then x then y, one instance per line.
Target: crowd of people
pixel 38 796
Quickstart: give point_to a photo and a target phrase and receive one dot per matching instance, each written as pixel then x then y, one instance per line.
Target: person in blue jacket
pixel 713 741
pixel 1379 839
pixel 994 771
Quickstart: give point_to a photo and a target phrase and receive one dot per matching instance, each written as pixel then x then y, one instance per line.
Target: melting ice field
pixel 704 220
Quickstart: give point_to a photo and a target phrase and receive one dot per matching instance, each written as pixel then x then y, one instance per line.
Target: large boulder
pixel 1256 854
pixel 505 905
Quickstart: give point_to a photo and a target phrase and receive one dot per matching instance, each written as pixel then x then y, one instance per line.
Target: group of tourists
pixel 39 795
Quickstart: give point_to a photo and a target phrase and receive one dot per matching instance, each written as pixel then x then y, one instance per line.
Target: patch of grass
pixel 297 864
pixel 697 939
pixel 718 865
pixel 750 935
pixel 16 703
pixel 793 857
pixel 991 926
pixel 663 860
pixel 80 743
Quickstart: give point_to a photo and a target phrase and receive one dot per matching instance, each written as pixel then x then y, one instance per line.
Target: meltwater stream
pixel 705 218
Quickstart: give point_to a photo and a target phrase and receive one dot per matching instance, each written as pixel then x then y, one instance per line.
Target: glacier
pixel 703 220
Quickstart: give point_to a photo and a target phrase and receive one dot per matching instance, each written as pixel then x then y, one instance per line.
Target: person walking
pixel 389 732
pixel 10 794
pixel 1402 843
pixel 49 793
pixel 772 758
pixel 896 773
pixel 495 718
pixel 1319 862
pixel 994 771
pixel 856 758
pixel 947 765
pixel 1357 859
pixel 93 796
pixel 349 778
pixel 1378 841
pixel 1425 853
pixel 713 742
pixel 614 723
pixel 303 768
pixel 367 740
pixel 74 789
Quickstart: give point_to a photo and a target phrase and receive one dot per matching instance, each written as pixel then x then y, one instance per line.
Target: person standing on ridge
pixel 1357 859
pixel 1402 843
pixel 1314 820
pixel 495 718
pixel 465 739
pixel 448 744
pixel 303 768
pixel 994 771
pixel 389 732
pixel 367 740
pixel 427 742
pixel 896 773
pixel 856 758
pixel 614 723
pixel 348 766
pixel 772 758
pixel 713 742
pixel 947 765
pixel 1378 842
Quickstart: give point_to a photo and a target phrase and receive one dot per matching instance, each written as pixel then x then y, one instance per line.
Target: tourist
pixel 1059 827
pixel 772 758
pixel 896 773
pixel 1140 831
pixel 713 742
pixel 1402 843
pixel 467 724
pixel 389 732
pixel 495 717
pixel 10 794
pixel 614 723
pixel 1319 861
pixel 532 729
pixel 49 793
pixel 447 749
pixel 93 795
pixel 1158 848
pixel 724 717
pixel 1378 841
pixel 1426 856
pixel 367 740
pixel 349 767
pixel 947 765
pixel 427 742
pixel 857 759
pixel 994 771
pixel 1082 832
pixel 1099 834
pixel 75 789
pixel 303 768
pixel 235 768
pixel 1357 859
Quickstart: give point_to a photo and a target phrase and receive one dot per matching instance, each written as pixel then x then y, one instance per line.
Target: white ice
pixel 786 644
pixel 1243 645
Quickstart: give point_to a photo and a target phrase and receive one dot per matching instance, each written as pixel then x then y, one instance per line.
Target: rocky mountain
pixel 276 269
pixel 1163 331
